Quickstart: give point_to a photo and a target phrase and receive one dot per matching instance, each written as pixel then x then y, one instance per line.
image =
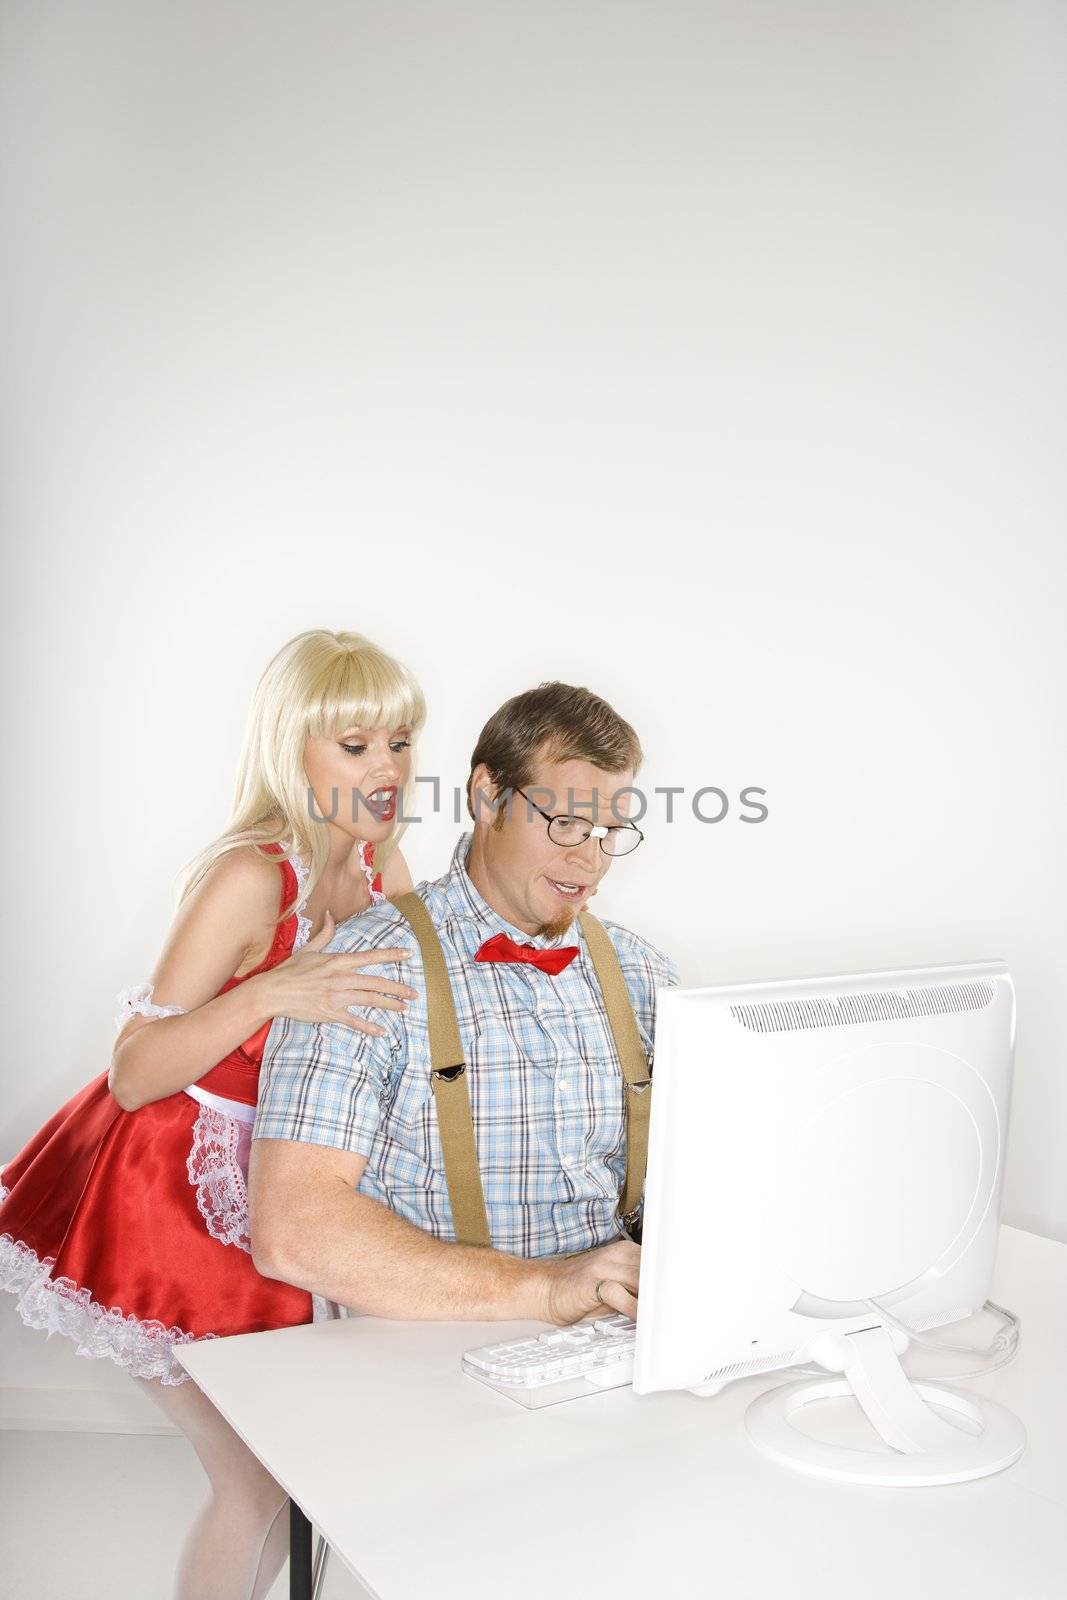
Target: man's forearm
pixel 359 1253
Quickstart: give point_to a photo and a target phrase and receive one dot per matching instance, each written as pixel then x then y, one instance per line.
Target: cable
pixel 1004 1346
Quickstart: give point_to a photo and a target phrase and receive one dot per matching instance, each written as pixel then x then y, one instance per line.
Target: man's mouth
pixel 570 892
pixel 383 804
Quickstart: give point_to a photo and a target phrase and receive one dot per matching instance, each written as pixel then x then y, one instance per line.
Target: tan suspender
pixel 448 1072
pixel 633 1059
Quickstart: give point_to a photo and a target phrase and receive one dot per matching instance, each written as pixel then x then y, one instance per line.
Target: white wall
pixel 711 355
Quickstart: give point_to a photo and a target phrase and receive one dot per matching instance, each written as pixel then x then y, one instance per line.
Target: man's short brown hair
pixel 560 722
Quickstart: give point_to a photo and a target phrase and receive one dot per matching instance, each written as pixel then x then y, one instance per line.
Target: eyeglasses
pixel 566 831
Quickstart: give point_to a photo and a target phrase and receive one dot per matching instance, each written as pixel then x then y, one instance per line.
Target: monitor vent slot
pixel 742 1369
pixel 786 1016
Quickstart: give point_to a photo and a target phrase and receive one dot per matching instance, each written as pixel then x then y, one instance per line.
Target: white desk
pixel 428 1484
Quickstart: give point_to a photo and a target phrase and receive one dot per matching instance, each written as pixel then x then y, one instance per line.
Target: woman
pixel 124 1220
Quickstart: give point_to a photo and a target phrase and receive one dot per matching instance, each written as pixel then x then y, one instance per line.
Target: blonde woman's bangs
pixel 365 690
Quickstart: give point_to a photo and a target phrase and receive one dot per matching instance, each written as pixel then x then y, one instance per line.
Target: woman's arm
pixel 227 916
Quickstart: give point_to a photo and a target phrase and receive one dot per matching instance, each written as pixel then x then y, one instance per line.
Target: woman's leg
pixel 238 1542
pixel 275 1550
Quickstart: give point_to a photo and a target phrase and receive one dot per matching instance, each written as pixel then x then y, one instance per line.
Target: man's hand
pixel 572 1283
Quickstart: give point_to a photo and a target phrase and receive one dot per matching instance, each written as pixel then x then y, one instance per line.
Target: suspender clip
pixel 632 1221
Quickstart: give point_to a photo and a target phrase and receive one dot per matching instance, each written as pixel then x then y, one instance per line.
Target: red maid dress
pixel 128 1230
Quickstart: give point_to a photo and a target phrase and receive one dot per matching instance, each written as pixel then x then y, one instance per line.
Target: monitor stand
pixel 928 1450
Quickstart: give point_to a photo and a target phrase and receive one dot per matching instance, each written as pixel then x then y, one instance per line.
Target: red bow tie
pixel 503 948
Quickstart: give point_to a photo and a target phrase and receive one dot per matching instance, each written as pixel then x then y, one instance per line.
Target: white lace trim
pixel 145 1349
pixel 217 1165
pixel 137 1001
pixel 303 872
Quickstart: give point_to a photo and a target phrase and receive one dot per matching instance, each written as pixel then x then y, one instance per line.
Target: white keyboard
pixel 561 1364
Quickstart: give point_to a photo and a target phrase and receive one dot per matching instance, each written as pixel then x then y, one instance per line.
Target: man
pixel 348 1192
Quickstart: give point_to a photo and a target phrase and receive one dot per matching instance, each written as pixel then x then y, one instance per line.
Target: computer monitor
pixel 817 1145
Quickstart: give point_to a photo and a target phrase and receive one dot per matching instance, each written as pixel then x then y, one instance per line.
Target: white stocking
pixel 238 1540
pixel 275 1552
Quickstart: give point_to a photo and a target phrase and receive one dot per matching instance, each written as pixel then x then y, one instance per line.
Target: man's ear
pixel 482 794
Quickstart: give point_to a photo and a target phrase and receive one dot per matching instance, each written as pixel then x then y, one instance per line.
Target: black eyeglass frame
pixel 597 830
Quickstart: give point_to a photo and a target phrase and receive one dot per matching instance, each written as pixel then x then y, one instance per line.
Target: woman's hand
pixel 313 987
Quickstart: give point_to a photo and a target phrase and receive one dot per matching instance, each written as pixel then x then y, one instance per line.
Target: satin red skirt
pixel 121 1227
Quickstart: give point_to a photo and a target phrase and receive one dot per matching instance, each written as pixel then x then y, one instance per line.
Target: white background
pixel 711 355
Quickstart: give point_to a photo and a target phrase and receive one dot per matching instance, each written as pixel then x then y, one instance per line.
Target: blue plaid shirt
pixel 545 1085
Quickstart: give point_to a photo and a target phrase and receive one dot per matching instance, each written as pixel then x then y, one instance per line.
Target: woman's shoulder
pixel 241 897
pixel 247 877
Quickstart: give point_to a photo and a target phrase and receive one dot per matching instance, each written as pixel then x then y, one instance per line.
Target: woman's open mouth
pixel 382 803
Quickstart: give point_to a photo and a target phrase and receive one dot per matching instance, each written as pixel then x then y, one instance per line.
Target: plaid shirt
pixel 545 1086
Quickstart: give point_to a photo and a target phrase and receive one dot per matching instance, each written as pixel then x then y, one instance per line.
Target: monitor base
pixel 928 1450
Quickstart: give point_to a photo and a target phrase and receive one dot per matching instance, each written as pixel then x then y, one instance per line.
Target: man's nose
pixel 587 853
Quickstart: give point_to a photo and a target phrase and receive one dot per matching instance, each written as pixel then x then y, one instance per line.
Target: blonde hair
pixel 318 685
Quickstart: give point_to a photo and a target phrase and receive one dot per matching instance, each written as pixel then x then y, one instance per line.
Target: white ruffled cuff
pixel 137 1001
